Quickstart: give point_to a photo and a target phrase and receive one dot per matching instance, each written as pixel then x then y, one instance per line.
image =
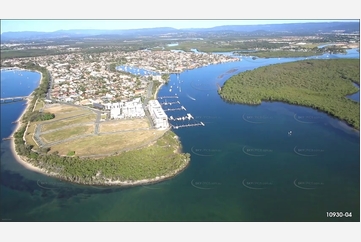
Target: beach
pixel 19 158
pixel 156 92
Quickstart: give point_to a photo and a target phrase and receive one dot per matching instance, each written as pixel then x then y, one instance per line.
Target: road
pixel 48 94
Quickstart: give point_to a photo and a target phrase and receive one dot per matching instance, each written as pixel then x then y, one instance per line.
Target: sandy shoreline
pixel 19 158
pixel 156 91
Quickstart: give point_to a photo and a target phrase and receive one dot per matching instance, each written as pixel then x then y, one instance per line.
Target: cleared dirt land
pixel 67 133
pixel 108 144
pixel 121 125
pixel 64 111
pixel 75 122
pixel 56 124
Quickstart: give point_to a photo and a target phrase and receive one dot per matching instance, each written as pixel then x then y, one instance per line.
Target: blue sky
pixel 53 25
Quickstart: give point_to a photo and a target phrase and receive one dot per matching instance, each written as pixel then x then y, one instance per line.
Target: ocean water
pixel 272 162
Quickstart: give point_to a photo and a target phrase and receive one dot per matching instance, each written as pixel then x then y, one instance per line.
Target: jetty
pixel 170 103
pixel 168 97
pixel 8 138
pixel 188 116
pixel 175 109
pixel 187 125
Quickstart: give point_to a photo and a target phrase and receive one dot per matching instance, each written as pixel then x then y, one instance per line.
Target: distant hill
pixel 291 28
pixel 77 33
pixel 296 28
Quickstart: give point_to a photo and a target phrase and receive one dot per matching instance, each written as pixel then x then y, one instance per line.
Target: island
pixel 319 84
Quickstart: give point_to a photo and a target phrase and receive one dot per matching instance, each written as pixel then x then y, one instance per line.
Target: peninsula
pixel 88 122
pixel 319 84
pixel 131 157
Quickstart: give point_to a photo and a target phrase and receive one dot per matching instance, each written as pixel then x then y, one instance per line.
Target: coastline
pixel 21 159
pixel 148 181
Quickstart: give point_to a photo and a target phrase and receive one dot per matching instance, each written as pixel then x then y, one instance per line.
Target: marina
pixel 187 125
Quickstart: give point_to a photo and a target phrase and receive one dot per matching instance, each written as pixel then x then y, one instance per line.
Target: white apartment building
pixel 131 109
pixel 159 118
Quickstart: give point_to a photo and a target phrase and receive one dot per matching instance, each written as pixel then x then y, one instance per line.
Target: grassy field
pixel 107 144
pixel 29 135
pixel 59 129
pixel 118 125
pixel 67 133
pixel 39 105
pixel 60 108
pixel 53 124
pixel 72 114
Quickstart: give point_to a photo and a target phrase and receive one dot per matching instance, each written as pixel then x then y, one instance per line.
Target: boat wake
pixel 191 97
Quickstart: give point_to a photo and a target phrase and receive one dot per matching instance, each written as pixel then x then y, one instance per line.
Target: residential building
pixel 159 118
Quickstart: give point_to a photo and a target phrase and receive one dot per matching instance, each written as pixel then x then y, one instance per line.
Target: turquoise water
pixel 245 165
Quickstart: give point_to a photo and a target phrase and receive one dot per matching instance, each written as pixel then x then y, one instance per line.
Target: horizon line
pixel 305 21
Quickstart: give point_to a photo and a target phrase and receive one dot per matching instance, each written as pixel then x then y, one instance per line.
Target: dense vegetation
pixel 165 77
pixel 39 116
pixel 155 86
pixel 159 159
pixel 320 84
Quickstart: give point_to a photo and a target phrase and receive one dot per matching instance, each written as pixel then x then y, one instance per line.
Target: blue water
pixel 18 82
pixel 136 71
pixel 245 164
pixel 15 83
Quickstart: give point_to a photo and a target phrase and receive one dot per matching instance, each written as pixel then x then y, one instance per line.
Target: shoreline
pixel 27 165
pixel 156 91
pixel 17 157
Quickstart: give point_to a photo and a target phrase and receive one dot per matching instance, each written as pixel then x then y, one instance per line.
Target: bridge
pixel 13 99
pixel 9 68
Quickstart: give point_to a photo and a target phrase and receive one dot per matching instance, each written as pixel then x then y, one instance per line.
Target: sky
pixel 54 25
